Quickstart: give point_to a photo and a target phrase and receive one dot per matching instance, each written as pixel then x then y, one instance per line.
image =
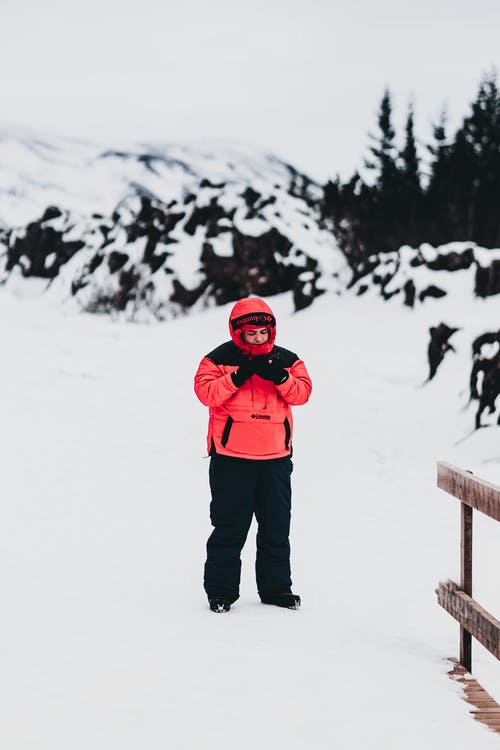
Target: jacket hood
pixel 252 312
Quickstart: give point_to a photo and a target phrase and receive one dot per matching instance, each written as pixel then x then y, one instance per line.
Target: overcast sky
pixel 300 79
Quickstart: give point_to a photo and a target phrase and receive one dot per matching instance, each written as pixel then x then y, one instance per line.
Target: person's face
pixel 255 336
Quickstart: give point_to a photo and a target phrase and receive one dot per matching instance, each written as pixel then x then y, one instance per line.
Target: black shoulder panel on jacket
pixel 226 354
pixel 287 358
pixel 229 354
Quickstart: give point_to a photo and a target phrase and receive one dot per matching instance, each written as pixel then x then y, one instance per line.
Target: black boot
pixel 286 599
pixel 218 604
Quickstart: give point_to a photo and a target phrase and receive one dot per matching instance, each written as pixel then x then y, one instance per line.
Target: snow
pixel 84 177
pixel 107 640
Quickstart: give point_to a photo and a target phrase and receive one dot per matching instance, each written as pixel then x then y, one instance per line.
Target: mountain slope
pixel 152 231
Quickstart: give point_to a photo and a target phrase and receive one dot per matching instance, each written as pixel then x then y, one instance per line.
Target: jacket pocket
pixel 287 433
pixel 227 430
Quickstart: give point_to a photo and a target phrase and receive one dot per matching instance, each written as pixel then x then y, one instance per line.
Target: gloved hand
pixel 269 368
pixel 244 371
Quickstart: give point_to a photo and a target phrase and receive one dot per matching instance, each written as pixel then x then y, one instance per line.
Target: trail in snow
pixel 107 640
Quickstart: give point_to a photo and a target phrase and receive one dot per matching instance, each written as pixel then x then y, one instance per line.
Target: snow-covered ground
pixel 106 638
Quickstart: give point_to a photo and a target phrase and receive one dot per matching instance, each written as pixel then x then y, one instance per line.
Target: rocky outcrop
pixel 485 362
pixel 150 258
pixel 417 275
pixel 42 248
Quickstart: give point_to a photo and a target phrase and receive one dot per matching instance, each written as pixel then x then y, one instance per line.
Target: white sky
pixel 301 79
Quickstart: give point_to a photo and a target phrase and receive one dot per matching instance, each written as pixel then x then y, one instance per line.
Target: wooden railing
pixel 474 493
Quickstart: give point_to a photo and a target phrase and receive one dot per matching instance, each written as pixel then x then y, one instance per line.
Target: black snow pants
pixel 240 488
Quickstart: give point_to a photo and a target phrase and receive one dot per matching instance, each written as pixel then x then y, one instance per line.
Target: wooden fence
pixel 474 493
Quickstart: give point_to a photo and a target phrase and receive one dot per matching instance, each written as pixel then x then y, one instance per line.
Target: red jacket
pixel 255 420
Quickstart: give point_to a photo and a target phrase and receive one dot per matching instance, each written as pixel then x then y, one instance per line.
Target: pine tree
pixel 437 195
pixel 409 199
pixel 410 162
pixel 384 149
pixel 439 151
pixel 482 133
pixel 458 200
pixel 474 169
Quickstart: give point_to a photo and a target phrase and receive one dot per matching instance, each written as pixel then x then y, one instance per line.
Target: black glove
pixel 244 371
pixel 269 368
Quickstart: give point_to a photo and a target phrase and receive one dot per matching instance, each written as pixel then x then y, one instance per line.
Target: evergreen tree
pixel 439 151
pixel 410 162
pixel 384 150
pixel 409 200
pixel 437 195
pixel 482 133
pixel 474 170
pixel 460 199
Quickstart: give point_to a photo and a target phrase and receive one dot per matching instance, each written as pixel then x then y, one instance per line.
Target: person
pixel 249 385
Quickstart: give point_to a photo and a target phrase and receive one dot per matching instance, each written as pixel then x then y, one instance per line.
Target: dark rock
pixel 305 292
pixel 490 385
pixel 129 283
pixel 431 291
pixel 487 281
pixel 202 215
pixel 214 229
pixel 39 242
pixel 149 161
pixel 95 262
pixel 254 204
pixel 250 196
pixel 78 284
pixel 267 202
pixel 51 212
pixel 156 261
pixel 409 293
pixel 128 286
pixel 170 222
pixel 491 337
pixel 185 297
pixel 417 260
pixel 155 223
pixel 388 295
pixel 207 184
pixel 116 260
pixel 153 235
pixel 438 346
pixel 253 268
pixel 488 390
pixel 452 261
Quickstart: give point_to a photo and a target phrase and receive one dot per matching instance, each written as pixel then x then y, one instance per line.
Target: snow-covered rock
pixel 153 231
pixel 459 269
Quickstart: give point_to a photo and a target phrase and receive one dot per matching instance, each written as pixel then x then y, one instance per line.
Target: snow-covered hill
pixel 154 230
pixel 38 170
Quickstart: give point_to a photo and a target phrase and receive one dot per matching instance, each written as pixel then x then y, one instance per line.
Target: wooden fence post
pixel 466 581
pixel 478 494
